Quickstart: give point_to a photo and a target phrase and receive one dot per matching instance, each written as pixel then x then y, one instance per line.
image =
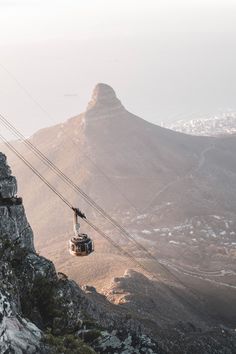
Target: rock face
pixel 8 185
pixel 16 333
pixel 33 297
pixel 103 98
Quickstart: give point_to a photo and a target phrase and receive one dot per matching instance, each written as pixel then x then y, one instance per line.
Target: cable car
pixel 80 244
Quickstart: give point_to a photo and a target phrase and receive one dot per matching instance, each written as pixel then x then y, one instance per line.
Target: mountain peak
pixel 104 97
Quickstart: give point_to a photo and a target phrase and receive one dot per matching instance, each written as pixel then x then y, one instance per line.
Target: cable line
pixel 69 182
pixel 27 163
pixel 127 254
pixel 36 102
pixel 39 105
pixel 49 185
pixel 67 179
pixel 76 188
pixel 102 233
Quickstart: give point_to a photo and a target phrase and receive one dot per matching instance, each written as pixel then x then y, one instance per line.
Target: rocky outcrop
pixel 16 240
pixel 104 98
pixel 8 185
pixel 41 311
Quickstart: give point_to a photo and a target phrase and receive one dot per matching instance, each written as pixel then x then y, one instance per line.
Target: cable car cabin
pixel 81 245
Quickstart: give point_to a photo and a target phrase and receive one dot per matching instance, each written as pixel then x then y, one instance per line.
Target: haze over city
pixel 167 60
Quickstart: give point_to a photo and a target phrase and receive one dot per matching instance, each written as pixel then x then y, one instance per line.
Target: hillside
pixel 42 311
pixel 176 193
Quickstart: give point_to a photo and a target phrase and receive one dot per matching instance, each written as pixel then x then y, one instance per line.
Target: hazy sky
pixel 166 59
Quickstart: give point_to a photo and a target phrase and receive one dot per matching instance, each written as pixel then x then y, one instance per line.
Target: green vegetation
pixel 43 297
pixel 91 335
pixel 67 344
pixel 89 322
pixel 6 244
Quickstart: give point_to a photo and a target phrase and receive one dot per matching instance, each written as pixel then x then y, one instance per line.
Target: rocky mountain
pixel 174 192
pixel 42 311
pixel 212 126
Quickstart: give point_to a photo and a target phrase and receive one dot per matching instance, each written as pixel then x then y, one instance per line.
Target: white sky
pixel 166 59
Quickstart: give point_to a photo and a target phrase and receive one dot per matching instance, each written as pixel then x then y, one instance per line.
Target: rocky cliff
pixel 44 312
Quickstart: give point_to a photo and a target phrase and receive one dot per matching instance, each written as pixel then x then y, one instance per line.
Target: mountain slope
pixel 139 158
pixel 176 193
pixel 42 311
